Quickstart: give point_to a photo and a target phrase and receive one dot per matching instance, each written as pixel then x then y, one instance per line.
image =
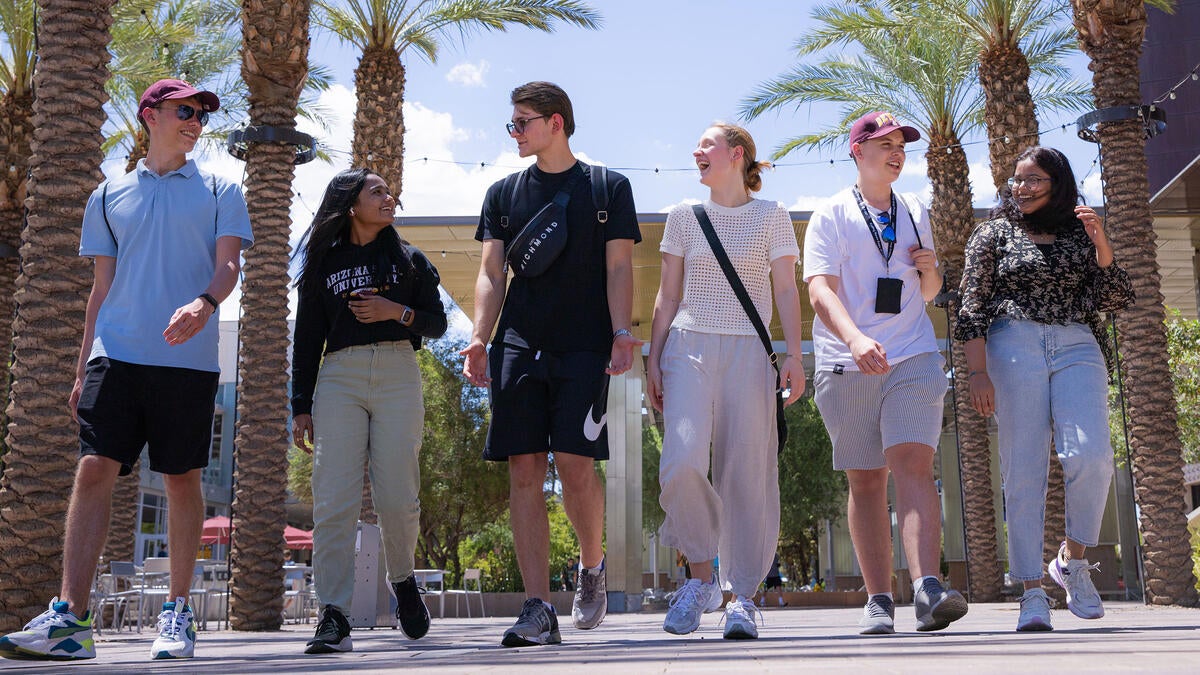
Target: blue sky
pixel 644 88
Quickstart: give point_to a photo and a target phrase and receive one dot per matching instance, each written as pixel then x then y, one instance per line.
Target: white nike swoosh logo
pixel 592 428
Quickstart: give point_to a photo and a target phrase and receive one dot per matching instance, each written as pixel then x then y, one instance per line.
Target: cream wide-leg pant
pixel 719 411
pixel 367 411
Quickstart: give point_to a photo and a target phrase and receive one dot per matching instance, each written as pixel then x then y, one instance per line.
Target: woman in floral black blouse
pixel 1038 274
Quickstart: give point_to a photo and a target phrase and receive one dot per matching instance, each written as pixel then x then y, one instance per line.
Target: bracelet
pixel 210 300
pixel 622 331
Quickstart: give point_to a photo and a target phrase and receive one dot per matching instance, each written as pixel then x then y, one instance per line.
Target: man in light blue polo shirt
pixel 166 240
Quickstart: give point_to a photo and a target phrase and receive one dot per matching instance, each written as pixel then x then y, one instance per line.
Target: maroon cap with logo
pixel 164 90
pixel 876 124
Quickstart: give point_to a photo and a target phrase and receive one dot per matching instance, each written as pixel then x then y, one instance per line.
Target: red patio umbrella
pixel 216 530
pixel 297 538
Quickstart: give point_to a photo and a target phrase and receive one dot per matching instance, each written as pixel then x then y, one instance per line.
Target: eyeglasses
pixel 1034 182
pixel 518 126
pixel 187 112
pixel 888 232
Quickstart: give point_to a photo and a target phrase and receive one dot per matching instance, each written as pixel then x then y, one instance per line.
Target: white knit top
pixel 754 235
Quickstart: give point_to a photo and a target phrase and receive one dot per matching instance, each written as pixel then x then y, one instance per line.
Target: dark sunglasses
pixel 186 112
pixel 518 126
pixel 888 233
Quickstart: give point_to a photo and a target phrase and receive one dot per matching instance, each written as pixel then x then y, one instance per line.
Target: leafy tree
pixel 460 492
pixel 1183 349
pixel 810 490
pixel 491 549
pixel 652 512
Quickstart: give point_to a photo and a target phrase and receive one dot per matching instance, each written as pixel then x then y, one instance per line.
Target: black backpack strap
pixel 599 178
pixel 217 206
pixel 508 189
pixel 104 212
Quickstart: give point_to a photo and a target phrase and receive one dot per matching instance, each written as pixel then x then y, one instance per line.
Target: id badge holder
pixel 887 295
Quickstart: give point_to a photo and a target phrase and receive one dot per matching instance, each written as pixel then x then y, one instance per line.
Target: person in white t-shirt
pixel 870 266
pixel 711 377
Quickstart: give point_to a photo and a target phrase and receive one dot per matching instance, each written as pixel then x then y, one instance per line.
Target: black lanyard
pixel 862 206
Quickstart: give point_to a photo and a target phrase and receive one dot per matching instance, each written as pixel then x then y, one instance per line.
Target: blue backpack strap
pixel 599 178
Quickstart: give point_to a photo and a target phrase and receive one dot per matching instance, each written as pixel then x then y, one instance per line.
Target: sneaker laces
pixel 688 593
pixel 879 607
pixel 48 617
pixel 171 623
pixel 587 586
pixel 535 612
pixel 738 608
pixel 1080 579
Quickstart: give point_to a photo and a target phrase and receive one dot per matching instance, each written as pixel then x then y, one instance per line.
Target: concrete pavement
pixel 1131 638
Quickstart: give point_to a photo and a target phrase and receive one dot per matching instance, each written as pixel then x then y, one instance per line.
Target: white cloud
pixel 469 74
pixel 808 202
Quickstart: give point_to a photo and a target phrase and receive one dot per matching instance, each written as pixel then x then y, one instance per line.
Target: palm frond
pixel 17 35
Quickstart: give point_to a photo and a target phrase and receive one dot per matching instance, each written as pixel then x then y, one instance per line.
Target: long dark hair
pixel 1058 215
pixel 331 226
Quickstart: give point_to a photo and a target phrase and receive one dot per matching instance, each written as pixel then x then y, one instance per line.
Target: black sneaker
pixel 333 633
pixel 410 608
pixel 537 625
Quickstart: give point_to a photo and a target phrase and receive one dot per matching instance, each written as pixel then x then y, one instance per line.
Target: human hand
pixel 621 358
pixel 187 321
pixel 924 259
pixel 791 376
pixel 654 385
pixel 302 432
pixel 869 356
pixel 73 399
pixel 983 393
pixel 368 307
pixel 475 363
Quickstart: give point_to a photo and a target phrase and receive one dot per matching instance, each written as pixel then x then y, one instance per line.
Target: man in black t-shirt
pixel 560 335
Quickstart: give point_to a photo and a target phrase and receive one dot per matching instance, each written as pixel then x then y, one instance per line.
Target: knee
pixel 96 473
pixel 867 484
pixel 527 471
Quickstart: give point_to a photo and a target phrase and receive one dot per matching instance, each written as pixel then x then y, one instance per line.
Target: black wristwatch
pixel 406 316
pixel 210 300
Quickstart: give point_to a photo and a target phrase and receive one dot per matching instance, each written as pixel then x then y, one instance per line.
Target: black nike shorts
pixel 547 402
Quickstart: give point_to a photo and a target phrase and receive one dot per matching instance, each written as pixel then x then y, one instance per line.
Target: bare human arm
pixel 104 269
pixel 618 261
pixel 490 287
pixel 787 300
pixel 868 355
pixel 666 306
pixel 192 317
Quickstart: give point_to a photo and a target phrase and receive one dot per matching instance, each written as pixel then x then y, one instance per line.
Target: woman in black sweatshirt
pixel 366 299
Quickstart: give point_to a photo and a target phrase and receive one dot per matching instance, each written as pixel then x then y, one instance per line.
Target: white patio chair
pixel 471 577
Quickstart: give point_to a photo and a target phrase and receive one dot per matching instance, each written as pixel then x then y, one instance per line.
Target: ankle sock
pixel 918 583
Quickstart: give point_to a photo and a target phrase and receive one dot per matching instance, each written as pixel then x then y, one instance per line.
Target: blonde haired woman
pixel 712 379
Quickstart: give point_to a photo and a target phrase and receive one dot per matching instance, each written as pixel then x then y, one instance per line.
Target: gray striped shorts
pixel 866 414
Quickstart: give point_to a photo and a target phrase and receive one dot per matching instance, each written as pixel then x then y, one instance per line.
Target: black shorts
pixel 547 401
pixel 125 406
pixel 773 582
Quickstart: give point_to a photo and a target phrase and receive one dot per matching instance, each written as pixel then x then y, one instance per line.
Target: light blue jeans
pixel 367 411
pixel 1050 382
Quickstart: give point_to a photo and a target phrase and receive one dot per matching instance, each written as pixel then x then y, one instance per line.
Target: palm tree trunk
pixel 16 133
pixel 1111 32
pixel 141 145
pixel 275 63
pixel 1009 112
pixel 51 297
pixel 1055 524
pixel 379 120
pixel 122 522
pixel 952 217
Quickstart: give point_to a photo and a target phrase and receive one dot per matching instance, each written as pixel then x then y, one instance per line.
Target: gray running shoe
pixel 692 600
pixel 537 625
pixel 1035 612
pixel 937 607
pixel 879 616
pixel 591 600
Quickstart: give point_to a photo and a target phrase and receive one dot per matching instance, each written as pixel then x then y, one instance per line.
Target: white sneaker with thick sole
pixel 739 619
pixel 176 632
pixel 1035 612
pixel 689 603
pixel 1075 576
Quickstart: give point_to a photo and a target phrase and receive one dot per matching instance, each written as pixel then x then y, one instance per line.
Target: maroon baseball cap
pixel 165 90
pixel 879 123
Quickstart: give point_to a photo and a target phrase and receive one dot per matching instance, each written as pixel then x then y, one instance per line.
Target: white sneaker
pixel 176 632
pixel 689 602
pixel 1035 612
pixel 1075 576
pixel 54 635
pixel 739 619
